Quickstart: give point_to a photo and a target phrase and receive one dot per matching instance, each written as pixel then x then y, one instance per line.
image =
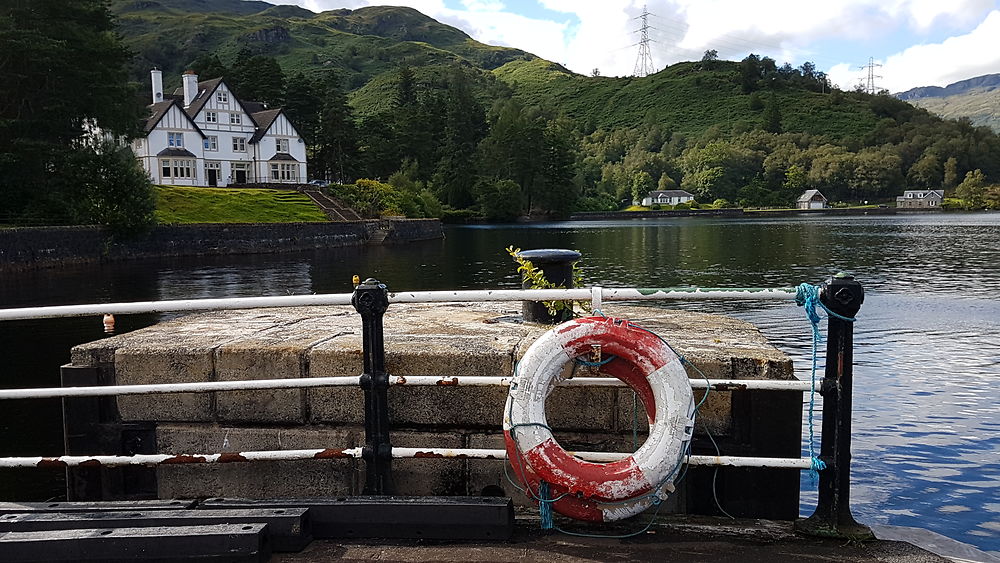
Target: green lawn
pixel 175 204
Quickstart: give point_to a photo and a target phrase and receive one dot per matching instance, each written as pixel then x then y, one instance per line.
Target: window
pixel 284 172
pixel 239 144
pixel 177 168
pixel 212 143
pixel 235 119
pixel 282 145
pixel 175 139
pixel 222 97
pixel 211 117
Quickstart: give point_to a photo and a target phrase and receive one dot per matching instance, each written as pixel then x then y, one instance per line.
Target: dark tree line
pixel 65 110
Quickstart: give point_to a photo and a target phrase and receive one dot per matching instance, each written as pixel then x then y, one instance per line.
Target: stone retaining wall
pixel 440 340
pixel 41 247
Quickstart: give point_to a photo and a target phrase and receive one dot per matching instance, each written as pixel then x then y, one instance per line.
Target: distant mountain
pixel 976 98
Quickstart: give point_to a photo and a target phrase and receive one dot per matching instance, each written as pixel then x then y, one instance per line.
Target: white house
pixel 667 197
pixel 811 199
pixel 203 135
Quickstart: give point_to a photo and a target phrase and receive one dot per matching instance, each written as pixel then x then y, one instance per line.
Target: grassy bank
pixel 179 205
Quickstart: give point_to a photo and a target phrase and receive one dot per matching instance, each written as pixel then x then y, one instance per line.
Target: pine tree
pixel 64 77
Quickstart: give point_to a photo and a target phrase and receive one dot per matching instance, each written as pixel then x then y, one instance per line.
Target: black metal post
pixel 557 266
pixel 371 299
pixel 832 518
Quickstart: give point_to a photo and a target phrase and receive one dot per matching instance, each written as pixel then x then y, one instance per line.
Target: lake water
pixel 927 405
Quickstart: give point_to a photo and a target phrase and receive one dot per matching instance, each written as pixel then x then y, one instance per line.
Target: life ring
pixel 585 490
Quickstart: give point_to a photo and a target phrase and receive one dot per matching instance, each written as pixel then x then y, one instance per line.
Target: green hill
pixel 685 98
pixel 359 44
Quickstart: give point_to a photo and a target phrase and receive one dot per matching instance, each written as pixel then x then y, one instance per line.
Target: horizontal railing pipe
pixel 579 294
pixel 356 453
pixel 348 381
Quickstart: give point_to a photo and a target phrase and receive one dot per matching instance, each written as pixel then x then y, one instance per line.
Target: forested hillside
pixel 444 124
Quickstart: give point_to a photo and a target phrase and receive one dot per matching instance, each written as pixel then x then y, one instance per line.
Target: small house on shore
pixel 811 199
pixel 920 198
pixel 667 197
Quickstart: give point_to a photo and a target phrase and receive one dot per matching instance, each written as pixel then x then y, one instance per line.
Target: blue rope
pixel 807 296
pixel 545 506
pixel 595 364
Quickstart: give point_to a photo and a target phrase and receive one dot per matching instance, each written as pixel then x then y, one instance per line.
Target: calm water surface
pixel 927 408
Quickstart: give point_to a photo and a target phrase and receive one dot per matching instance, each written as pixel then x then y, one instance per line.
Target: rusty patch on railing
pixel 90 463
pixel 452 381
pixel 400 380
pixel 184 459
pixel 331 453
pixel 51 462
pixel 729 386
pixel 231 458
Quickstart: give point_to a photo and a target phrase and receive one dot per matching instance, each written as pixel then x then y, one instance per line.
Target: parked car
pixel 320 183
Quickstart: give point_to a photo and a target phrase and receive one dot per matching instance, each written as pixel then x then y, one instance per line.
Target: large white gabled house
pixel 203 135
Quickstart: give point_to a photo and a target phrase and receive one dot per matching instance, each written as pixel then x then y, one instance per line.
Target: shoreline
pixel 743 213
pixel 32 248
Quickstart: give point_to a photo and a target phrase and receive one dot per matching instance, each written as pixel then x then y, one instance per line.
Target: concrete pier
pixel 439 340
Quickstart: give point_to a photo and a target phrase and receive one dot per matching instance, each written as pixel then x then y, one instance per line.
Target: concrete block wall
pixel 440 340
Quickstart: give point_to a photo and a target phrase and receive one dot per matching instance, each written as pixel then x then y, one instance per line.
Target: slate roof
pixel 808 195
pixel 670 193
pixel 160 109
pixel 264 120
pixel 283 156
pixel 923 193
pixel 174 151
pixel 205 90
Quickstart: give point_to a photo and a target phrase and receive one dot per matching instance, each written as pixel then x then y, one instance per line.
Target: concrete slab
pixel 676 539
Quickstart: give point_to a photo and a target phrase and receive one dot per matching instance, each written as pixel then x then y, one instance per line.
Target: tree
pixel 972 189
pixel 750 73
pixel 772 115
pixel 950 173
pixel 258 78
pixel 336 145
pixel 64 82
pixel 642 184
pixel 464 128
pixel 710 55
pixel 208 66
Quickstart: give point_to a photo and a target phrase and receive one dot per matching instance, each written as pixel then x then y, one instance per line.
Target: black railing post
pixel 371 299
pixel 844 296
pixel 557 267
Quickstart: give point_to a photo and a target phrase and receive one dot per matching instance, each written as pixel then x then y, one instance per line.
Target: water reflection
pixel 927 414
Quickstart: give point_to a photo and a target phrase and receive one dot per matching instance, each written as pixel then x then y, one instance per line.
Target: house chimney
pixel 157 78
pixel 190 87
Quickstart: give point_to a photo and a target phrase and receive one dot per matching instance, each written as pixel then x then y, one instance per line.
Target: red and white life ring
pixel 600 491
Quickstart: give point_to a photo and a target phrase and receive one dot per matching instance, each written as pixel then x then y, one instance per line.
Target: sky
pixel 916 42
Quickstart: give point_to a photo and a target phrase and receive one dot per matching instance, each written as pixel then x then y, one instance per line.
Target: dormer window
pixel 283 145
pixel 222 97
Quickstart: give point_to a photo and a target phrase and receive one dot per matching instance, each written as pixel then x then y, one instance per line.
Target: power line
pixel 644 62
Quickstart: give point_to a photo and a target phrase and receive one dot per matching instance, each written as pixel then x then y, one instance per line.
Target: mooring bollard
pixel 371 299
pixel 832 518
pixel 557 266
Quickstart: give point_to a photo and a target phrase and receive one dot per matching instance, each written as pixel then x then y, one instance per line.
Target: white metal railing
pixel 353 380
pixel 356 453
pixel 595 294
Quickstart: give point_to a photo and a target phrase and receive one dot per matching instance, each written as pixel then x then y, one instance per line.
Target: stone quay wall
pixel 438 340
pixel 41 247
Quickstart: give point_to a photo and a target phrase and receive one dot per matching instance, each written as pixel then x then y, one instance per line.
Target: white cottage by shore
pixel 203 135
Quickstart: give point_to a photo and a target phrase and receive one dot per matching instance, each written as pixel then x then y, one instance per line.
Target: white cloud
pixel 940 64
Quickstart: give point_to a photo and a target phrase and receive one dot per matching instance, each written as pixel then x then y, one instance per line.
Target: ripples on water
pixel 927 357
